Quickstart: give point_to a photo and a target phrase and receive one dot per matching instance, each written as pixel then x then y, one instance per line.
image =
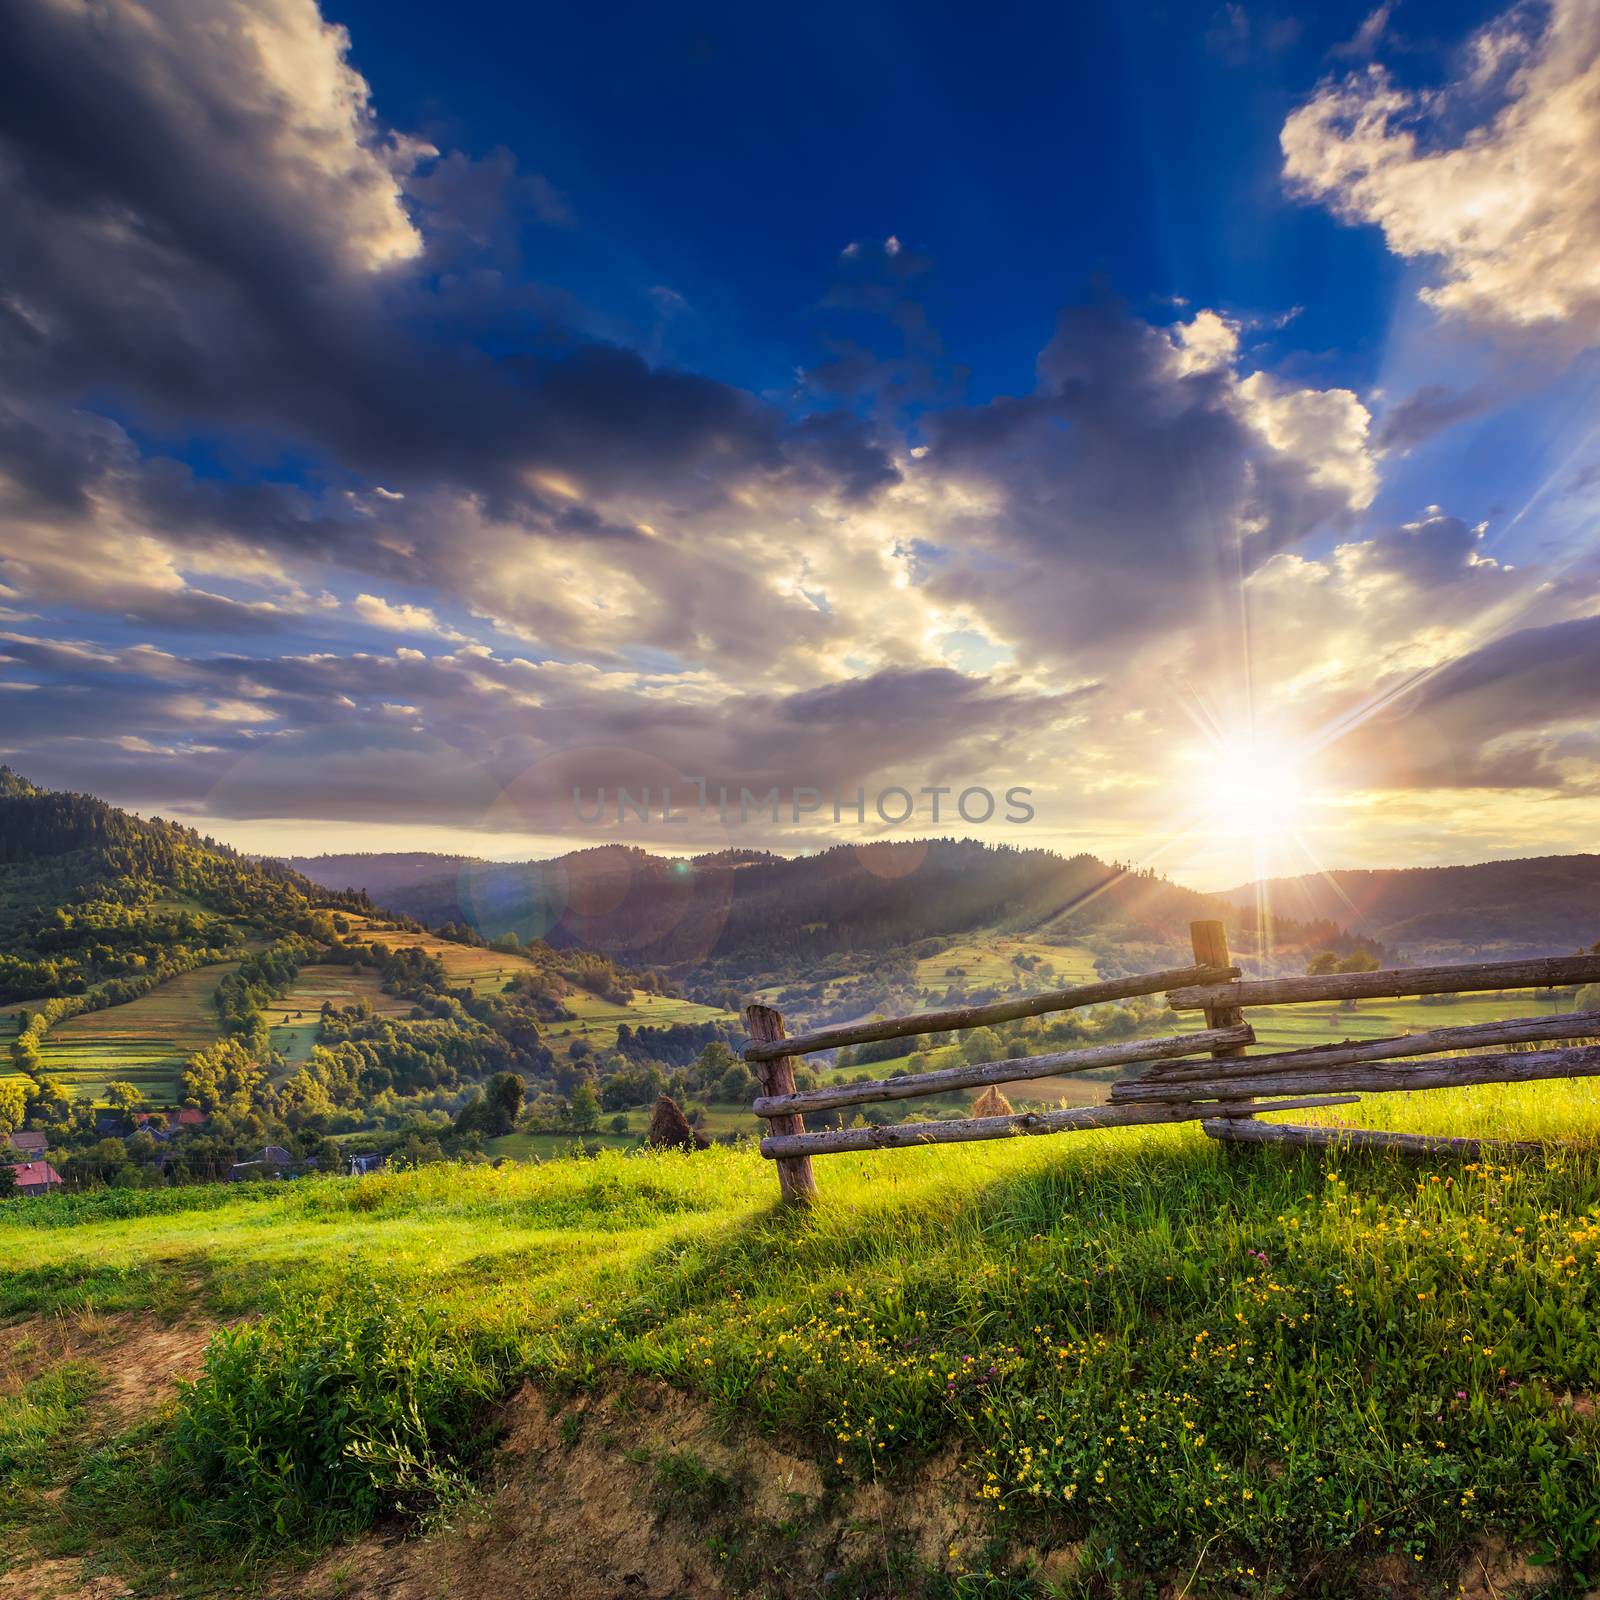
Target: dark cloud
pixel 345 736
pixel 1503 716
pixel 1427 554
pixel 1432 409
pixel 251 260
pixel 1128 489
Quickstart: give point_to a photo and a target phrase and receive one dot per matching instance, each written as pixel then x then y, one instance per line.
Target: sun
pixel 1257 792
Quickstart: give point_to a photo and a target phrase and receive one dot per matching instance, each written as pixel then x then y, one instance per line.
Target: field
pixel 145 1042
pixel 1229 1374
pixel 302 1005
pixel 597 1020
pixel 487 971
pixel 1295 1027
pixel 985 961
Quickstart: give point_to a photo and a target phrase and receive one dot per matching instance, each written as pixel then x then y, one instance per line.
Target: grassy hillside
pixel 144 1041
pixel 1124 1360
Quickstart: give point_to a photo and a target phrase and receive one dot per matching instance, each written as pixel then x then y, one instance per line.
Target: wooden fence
pixel 1204 1076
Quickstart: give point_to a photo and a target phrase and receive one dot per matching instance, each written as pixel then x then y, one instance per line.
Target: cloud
pixel 1493 180
pixel 402 617
pixel 255 260
pixel 1517 713
pixel 1136 486
pixel 1362 45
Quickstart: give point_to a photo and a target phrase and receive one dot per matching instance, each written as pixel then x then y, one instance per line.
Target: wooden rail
pixel 1017 1070
pixel 1386 1077
pixel 965 1130
pixel 1034 1005
pixel 1158 1082
pixel 1172 1083
pixel 1392 983
pixel 1312 1137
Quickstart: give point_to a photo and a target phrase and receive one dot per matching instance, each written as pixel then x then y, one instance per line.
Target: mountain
pixel 744 910
pixel 93 899
pixel 1532 907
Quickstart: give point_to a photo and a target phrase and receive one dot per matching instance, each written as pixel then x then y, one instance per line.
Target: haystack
pixel 991 1103
pixel 670 1130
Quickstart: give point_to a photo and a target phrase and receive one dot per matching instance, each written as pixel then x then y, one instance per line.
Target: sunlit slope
pixel 1180 1358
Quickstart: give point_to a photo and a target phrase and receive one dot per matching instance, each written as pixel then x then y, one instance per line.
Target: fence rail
pixel 1204 1077
pixel 1392 983
pixel 981 1074
pixel 1034 1005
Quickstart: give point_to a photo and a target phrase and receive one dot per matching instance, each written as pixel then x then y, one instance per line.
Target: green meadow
pixel 1205 1369
pixel 144 1041
pixel 295 1019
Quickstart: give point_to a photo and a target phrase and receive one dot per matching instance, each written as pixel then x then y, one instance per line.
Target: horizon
pixel 1185 419
pixel 1106 858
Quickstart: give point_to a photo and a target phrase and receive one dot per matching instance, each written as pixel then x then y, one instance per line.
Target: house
pixel 273 1162
pixel 36 1177
pixel 361 1164
pixel 29 1144
pixel 110 1124
pixel 188 1117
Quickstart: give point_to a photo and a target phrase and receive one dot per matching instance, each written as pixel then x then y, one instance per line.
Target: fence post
pixel 796 1182
pixel 1209 941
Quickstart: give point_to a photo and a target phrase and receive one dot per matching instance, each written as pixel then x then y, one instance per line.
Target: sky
pixel 1168 431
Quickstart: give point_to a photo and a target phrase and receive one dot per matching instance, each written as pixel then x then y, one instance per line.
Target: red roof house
pixel 188 1117
pixel 36 1177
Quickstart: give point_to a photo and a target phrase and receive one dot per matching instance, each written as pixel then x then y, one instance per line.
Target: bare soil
pixel 583 1509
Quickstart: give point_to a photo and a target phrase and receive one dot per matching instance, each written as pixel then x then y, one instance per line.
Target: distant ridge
pixel 1539 905
pixel 747 905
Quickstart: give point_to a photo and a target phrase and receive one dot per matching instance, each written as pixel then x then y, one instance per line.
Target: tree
pixel 737 1084
pixel 503 1102
pixel 584 1107
pixel 124 1096
pixel 982 1044
pixel 26 1056
pixel 1360 961
pixel 1321 964
pixel 13 1107
pixel 1588 997
pixel 8 1182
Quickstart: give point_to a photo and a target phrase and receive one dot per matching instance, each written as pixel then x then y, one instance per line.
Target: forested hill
pixel 94 898
pixel 752 908
pixel 1533 907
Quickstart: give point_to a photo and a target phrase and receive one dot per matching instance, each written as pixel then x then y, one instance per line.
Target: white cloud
pixel 402 617
pixel 1510 209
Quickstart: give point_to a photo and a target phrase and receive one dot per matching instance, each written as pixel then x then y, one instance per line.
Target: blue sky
pixel 408 419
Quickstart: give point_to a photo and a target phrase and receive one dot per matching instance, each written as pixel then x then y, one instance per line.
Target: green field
pixel 596 1020
pixel 1295 1027
pixel 1236 1374
pixel 985 962
pixel 302 1006
pixel 145 1041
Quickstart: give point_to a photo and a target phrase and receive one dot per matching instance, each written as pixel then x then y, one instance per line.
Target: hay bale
pixel 991 1103
pixel 670 1130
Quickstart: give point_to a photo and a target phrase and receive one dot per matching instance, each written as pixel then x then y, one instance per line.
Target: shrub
pixel 307 1426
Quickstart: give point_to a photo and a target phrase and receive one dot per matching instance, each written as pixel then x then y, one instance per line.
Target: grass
pixel 985 962
pixel 144 1041
pixel 302 1005
pixel 596 1020
pixel 1256 1373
